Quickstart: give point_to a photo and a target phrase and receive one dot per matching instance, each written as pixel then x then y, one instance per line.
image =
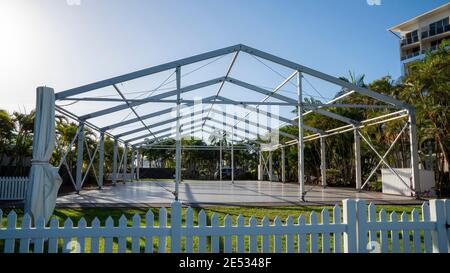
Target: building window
pixel 439 27
pixel 412 37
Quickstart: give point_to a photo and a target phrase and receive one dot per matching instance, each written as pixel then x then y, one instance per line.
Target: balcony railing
pixel 409 56
pixel 424 51
pixel 408 41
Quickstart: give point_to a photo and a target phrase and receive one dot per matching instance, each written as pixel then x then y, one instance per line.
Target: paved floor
pixel 159 193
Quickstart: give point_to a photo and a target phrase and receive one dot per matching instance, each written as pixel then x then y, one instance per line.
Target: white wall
pixel 391 184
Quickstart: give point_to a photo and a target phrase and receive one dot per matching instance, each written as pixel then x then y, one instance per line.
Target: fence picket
pixel 53 241
pixel 175 230
pixel 189 225
pixel 447 216
pixel 383 233
pixel 301 235
pixel 227 241
pixel 313 237
pixel 122 241
pixel 426 233
pixel 82 224
pixel 349 213
pixel 253 238
pixel 39 242
pixel 416 231
pixel 337 236
pixel 11 225
pixel 278 248
pixel 240 248
pixel 149 224
pixel 362 225
pixel 265 238
pixel 109 225
pixel 290 235
pixel 24 245
pixel 95 225
pixel 325 236
pixel 395 234
pixel 372 219
pixel 201 226
pixel 162 242
pixel 214 238
pixel 439 234
pixel 135 240
pixel 405 235
pixel 8 188
pixel 13 188
pixel 67 241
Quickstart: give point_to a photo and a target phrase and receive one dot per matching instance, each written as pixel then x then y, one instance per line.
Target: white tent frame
pixel 405 111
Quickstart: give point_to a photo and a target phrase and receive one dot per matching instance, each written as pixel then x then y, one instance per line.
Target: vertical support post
pixel 138 161
pixel 133 162
pixel 80 147
pixel 430 155
pixel 125 162
pixel 232 155
pixel 415 177
pixel 323 162
pixel 101 160
pixel 220 157
pixel 178 137
pixel 260 167
pixel 357 158
pixel 270 166
pixel 283 164
pixel 115 155
pixel 301 165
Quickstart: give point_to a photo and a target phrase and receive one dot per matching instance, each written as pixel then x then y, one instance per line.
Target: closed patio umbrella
pixel 44 178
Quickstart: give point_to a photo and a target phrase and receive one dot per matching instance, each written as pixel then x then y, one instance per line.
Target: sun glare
pixel 15 33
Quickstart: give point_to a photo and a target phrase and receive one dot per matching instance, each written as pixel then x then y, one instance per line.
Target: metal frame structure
pixel 156 136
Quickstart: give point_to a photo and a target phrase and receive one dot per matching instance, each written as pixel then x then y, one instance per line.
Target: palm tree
pixel 427 88
pixel 356 80
pixel 24 125
pixel 6 134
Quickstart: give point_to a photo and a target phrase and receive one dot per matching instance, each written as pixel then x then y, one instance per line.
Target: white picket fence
pixel 13 188
pixel 357 229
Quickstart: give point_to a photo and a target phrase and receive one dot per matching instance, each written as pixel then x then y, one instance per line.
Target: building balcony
pixel 421 53
pixel 409 56
pixel 409 41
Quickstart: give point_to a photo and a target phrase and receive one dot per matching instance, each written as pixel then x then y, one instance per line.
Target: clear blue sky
pixel 49 42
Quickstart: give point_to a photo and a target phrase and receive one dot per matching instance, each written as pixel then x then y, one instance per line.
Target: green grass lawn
pixel 259 212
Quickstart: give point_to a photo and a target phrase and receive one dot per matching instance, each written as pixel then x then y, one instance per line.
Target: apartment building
pixel 421 34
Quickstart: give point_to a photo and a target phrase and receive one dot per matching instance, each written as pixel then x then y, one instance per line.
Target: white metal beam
pixel 281 118
pixel 323 76
pixel 157 132
pixel 157 124
pixel 260 90
pixel 80 147
pixel 101 160
pixel 414 151
pixel 152 98
pixel 223 82
pixel 147 71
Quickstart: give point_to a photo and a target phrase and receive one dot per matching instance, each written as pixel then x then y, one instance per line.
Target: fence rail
pixel 354 228
pixel 13 188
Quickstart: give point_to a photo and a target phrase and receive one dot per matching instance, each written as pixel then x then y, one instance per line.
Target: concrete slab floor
pixel 214 193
